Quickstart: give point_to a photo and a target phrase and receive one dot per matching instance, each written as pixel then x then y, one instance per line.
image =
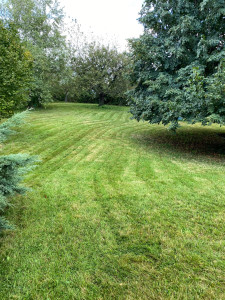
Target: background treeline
pixel 43 58
pixel 173 72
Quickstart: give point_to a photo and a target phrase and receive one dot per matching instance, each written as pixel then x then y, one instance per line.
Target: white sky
pixel 110 19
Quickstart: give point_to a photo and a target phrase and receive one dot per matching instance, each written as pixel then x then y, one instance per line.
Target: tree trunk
pixel 101 99
pixel 66 96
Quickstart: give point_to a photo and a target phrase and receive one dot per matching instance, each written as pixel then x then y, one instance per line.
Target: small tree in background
pixel 100 74
pixel 178 69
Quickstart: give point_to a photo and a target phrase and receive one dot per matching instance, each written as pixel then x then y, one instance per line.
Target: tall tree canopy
pixel 178 62
pixel 15 71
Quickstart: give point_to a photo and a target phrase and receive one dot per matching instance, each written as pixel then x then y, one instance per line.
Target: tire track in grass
pixel 119 212
pixel 67 151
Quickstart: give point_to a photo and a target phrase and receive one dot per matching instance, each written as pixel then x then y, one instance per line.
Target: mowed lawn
pixel 118 209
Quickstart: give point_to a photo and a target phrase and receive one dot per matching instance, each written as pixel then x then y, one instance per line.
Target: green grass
pixel 119 209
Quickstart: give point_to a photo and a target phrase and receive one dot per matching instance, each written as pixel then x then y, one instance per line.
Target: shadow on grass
pixel 200 142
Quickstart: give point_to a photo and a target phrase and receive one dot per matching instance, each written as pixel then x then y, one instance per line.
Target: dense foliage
pixel 15 71
pixel 12 168
pixel 39 25
pixel 67 65
pixel 100 75
pixel 178 63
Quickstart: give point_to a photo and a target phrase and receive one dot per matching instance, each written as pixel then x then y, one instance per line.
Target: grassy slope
pixel 119 210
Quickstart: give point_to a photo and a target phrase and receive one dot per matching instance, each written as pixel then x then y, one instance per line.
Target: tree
pixel 12 168
pixel 178 62
pixel 100 74
pixel 15 71
pixel 39 22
